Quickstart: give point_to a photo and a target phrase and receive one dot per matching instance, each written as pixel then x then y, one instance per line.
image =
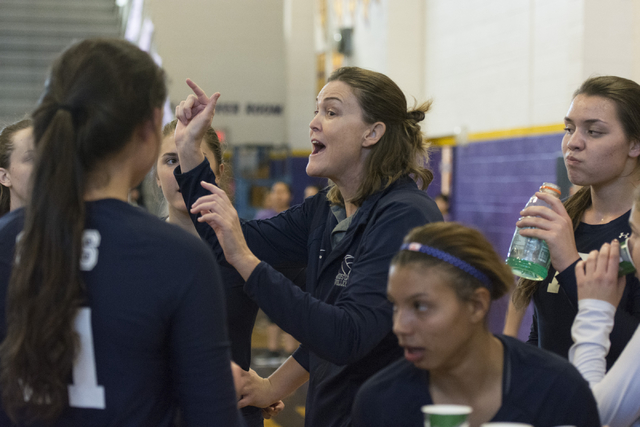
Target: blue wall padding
pixel 435 157
pixel 492 181
pixel 495 179
pixel 300 179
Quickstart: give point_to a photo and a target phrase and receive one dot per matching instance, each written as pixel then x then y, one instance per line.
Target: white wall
pixel 608 43
pixel 235 47
pixel 487 64
pixel 499 64
pixel 370 24
pixel 503 64
pixel 557 59
pixel 635 53
pixel 300 71
pixel 406 47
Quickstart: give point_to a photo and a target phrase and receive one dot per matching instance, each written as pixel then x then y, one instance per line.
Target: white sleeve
pixel 616 392
pixel 590 333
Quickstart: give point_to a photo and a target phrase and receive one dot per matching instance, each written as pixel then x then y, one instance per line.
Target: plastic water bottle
pixel 529 257
pixel 626 262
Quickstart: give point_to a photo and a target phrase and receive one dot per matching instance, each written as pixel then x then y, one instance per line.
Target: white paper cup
pixel 446 415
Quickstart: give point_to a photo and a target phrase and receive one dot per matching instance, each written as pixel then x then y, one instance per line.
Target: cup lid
pixel 505 424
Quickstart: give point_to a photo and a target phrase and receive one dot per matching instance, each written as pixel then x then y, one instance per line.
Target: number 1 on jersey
pixel 85 391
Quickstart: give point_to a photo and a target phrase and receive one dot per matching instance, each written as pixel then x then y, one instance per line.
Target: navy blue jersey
pixel 343 318
pixel 538 388
pixel 152 332
pixel 556 298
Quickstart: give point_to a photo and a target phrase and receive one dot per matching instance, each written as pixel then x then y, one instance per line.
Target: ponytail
pixel 575 205
pixel 97 93
pixel 54 224
pixel 419 147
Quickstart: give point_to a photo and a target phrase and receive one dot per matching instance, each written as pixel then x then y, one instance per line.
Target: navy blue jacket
pixel 344 319
pixel 538 388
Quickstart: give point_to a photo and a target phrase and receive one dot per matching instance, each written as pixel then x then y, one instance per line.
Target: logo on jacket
pixel 345 271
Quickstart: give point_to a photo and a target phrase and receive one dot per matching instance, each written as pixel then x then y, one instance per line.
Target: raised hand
pixel 553 226
pixel 597 276
pixel 194 116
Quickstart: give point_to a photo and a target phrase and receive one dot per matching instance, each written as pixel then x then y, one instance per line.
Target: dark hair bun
pixel 416 115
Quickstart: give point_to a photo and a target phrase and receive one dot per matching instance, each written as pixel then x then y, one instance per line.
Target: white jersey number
pixel 90 243
pixel 85 391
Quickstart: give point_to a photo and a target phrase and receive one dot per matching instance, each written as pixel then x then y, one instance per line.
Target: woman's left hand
pixel 597 277
pixel 216 210
pixel 553 226
pixel 272 410
pixel 242 380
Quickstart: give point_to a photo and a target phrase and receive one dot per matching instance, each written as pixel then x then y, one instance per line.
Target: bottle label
pixel 527 269
pixel 528 257
pixel 626 262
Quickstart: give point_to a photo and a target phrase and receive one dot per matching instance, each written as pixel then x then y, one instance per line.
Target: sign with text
pixel 251 108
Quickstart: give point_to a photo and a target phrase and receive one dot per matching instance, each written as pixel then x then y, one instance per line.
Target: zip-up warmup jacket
pixel 343 320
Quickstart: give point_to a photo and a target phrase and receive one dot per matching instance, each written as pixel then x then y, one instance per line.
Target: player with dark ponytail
pixel 601 148
pixel 99 329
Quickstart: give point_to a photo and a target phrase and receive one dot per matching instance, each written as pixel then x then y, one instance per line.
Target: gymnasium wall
pixel 491 67
pixel 503 64
pixel 500 73
pixel 235 47
pixel 494 179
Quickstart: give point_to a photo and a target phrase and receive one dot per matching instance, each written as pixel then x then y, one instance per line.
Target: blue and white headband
pixel 450 259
